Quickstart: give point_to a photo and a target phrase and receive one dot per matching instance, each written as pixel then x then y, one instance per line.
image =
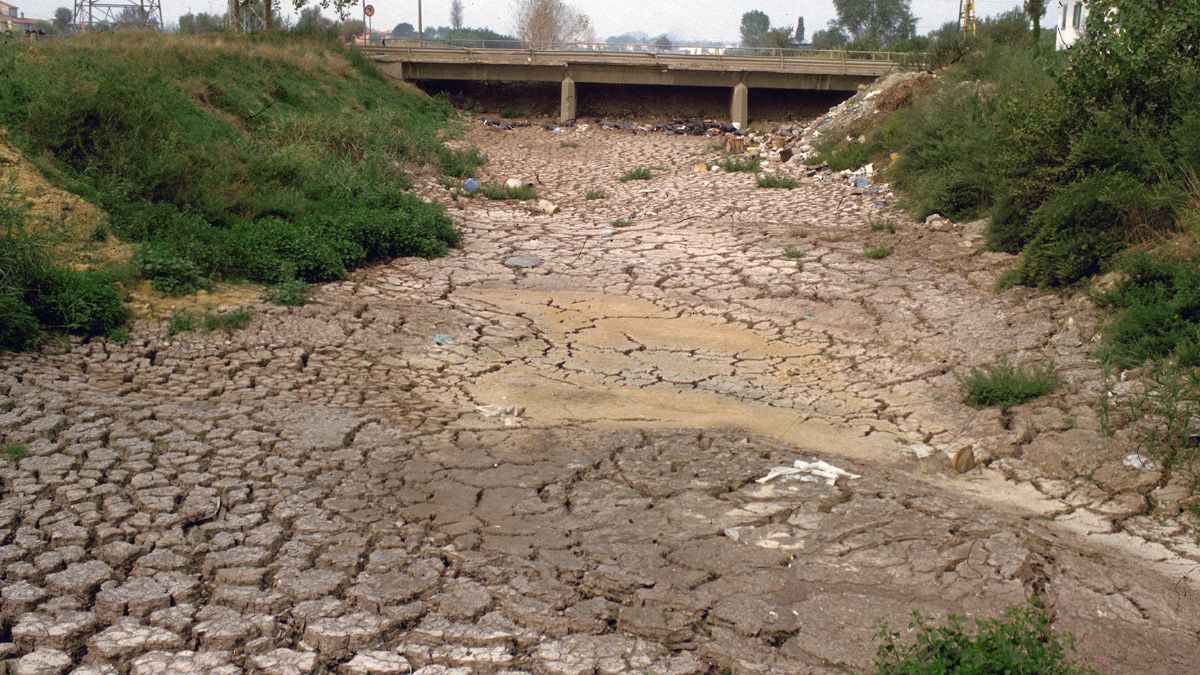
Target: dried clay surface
pixel 457 466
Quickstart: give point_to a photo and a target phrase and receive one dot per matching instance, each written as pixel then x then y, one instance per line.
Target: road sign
pixel 369 10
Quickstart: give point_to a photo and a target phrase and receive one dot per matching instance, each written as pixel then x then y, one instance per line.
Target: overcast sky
pixel 681 19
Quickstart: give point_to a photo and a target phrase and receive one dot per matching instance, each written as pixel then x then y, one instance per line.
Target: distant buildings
pixel 11 20
pixel 1071 23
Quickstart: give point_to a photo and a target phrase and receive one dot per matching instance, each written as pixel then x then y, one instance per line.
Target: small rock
pixel 523 261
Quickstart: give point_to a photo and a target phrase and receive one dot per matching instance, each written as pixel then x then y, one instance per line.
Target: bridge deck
pixel 862 64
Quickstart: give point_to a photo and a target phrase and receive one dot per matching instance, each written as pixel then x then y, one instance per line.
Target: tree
pixel 800 31
pixel 311 21
pixel 541 23
pixel 755 25
pixel 63 18
pixel 456 15
pixel 830 38
pixel 194 24
pixel 404 30
pixel 351 28
pixel 663 43
pixel 876 23
pixel 778 38
pixel 1036 9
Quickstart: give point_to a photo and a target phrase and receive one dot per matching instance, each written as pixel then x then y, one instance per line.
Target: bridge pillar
pixel 567 109
pixel 739 110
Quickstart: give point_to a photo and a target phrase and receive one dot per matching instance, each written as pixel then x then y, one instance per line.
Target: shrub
pixel 776 181
pixel 459 163
pixel 1021 642
pixel 82 303
pixel 884 226
pixel 1156 309
pixel 14 451
pixel 640 173
pixel 1004 385
pixel 291 293
pixel 118 334
pixel 794 253
pixel 180 323
pixel 596 194
pixel 19 328
pixel 620 223
pixel 879 252
pixel 167 271
pixel 740 164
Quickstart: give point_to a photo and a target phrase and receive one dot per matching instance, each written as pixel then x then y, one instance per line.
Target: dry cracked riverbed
pixel 320 493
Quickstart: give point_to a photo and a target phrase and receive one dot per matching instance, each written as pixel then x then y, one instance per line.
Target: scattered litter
pixel 470 185
pixel 522 260
pixel 807 472
pixel 1138 461
pixel 546 206
pixel 517 184
pixel 442 339
pixel 510 414
pixel 700 167
pixel 607 234
pixel 963 459
pixel 735 533
pixel 919 450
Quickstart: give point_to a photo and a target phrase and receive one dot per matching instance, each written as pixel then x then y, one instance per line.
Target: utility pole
pixel 420 23
pixel 966 17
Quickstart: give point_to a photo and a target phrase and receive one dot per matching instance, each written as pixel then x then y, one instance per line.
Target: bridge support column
pixel 739 110
pixel 567 109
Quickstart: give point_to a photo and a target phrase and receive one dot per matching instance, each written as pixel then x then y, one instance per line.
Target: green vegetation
pixel 258 158
pixel 640 173
pixel 776 181
pixel 1020 643
pixel 118 334
pixel 884 226
pixel 878 252
pixel 569 144
pixel 620 223
pixel 799 232
pixel 229 322
pixel 501 192
pixel 14 451
pixel 1004 384
pixel 1075 155
pixel 596 194
pixel 509 112
pixel 291 293
pixel 794 253
pixel 740 164
pixel 37 295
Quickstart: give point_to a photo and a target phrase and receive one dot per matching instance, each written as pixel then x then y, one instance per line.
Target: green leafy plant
pixel 794 254
pixel 640 173
pixel 879 252
pixel 1004 384
pixel 291 293
pixel 593 195
pixel 1020 643
pixel 776 181
pixel 620 223
pixel 14 451
pixel 168 271
pixel 118 334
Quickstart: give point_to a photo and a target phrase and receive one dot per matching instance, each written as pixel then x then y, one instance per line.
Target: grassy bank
pixel 263 159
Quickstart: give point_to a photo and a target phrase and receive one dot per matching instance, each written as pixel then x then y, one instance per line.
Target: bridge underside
pixel 739 83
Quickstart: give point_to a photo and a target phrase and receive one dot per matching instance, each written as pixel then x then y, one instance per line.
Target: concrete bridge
pixel 803 70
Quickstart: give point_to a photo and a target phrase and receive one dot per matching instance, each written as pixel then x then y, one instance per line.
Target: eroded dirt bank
pixel 321 492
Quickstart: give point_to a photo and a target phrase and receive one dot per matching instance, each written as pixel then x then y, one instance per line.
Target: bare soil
pixel 458 466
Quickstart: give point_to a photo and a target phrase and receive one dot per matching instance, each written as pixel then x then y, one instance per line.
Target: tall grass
pixel 233 157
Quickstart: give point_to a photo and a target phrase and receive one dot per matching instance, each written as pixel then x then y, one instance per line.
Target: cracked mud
pixel 564 481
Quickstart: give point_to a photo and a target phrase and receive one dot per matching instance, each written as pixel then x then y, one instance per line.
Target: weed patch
pixel 1004 384
pixel 621 223
pixel 884 226
pixel 776 181
pixel 740 164
pixel 180 323
pixel 794 254
pixel 879 252
pixel 503 192
pixel 291 293
pixel 1020 642
pixel 640 173
pixel 593 195
pixel 14 451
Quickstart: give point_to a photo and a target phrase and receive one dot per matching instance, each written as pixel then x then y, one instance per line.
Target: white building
pixel 11 20
pixel 1071 22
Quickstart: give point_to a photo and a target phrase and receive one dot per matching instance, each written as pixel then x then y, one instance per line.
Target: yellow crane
pixel 966 17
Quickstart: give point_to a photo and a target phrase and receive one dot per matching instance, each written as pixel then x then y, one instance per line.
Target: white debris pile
pixel 815 471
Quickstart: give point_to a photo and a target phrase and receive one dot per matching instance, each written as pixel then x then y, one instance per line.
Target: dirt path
pixel 458 464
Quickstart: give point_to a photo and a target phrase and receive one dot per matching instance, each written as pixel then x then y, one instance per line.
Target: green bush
pixel 291 293
pixel 1156 307
pixel 82 303
pixel 879 252
pixel 230 322
pixel 180 323
pixel 1020 643
pixel 1004 385
pixel 19 328
pixel 168 271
